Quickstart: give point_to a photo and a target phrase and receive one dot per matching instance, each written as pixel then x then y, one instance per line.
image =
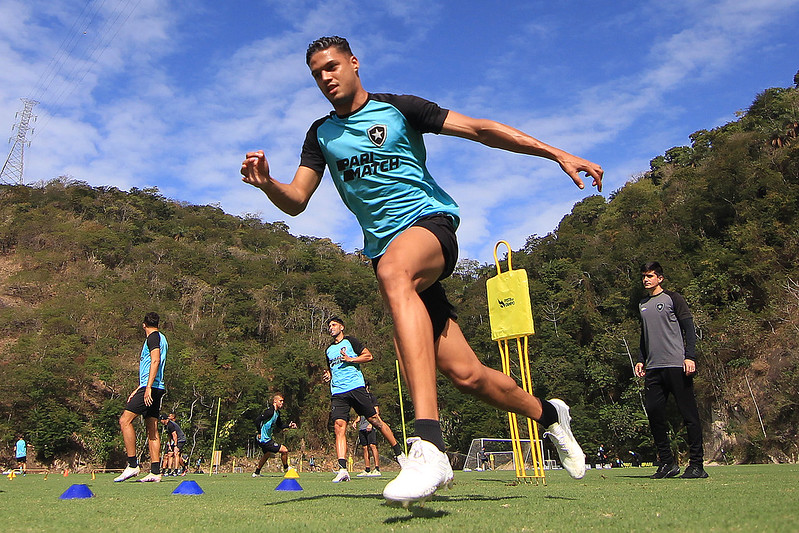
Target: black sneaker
pixel 666 470
pixel 694 472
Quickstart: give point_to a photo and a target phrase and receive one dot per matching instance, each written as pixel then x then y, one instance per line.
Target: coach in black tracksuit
pixel 667 360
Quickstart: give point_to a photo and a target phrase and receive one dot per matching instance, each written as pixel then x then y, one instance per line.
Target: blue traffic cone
pixel 289 484
pixel 77 491
pixel 188 487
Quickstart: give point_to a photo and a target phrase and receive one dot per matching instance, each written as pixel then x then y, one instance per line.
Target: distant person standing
pixel 176 441
pixel 21 453
pixel 667 361
pixel 269 423
pixel 146 401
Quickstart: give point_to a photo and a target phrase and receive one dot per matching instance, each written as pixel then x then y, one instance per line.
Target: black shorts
pixel 358 399
pixel 269 446
pixel 137 405
pixel 365 438
pixel 22 460
pixel 434 297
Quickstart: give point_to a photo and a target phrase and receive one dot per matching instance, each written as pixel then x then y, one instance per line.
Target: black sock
pixel 342 463
pixel 430 430
pixel 549 415
pixel 155 467
pixel 368 469
pixel 397 449
pixel 257 470
pixel 285 466
pixel 133 462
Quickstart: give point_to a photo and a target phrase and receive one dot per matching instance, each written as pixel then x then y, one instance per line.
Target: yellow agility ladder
pixel 511 317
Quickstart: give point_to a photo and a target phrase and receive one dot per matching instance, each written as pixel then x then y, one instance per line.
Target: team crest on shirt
pixel 377 134
pixel 660 307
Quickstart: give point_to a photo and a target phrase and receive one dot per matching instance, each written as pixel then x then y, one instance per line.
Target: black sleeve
pixel 689 332
pixel 642 341
pixel 312 156
pixel 153 340
pixel 357 346
pixel 686 321
pixel 261 419
pixel 425 116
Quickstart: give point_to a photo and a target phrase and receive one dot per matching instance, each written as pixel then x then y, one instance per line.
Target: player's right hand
pixel 640 371
pixel 255 169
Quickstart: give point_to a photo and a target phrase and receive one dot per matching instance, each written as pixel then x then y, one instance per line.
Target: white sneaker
pixel 127 474
pixel 571 455
pixel 364 474
pixel 254 475
pixel 151 478
pixel 426 470
pixel 375 473
pixel 342 475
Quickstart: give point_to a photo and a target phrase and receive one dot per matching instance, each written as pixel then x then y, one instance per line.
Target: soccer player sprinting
pixel 269 423
pixel 372 144
pixel 348 387
pixel 146 401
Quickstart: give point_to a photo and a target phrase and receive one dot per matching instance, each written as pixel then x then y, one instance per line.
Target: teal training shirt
pixel 155 340
pixel 22 448
pixel 376 157
pixel 268 427
pixel 345 376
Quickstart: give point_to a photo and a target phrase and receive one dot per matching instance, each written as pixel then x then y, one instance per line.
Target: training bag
pixel 509 309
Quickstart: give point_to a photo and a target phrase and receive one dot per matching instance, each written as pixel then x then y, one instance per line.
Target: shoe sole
pixel 405 503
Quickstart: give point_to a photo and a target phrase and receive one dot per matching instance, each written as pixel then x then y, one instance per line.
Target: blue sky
pixel 171 94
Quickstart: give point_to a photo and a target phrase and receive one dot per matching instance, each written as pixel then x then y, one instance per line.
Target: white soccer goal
pixel 500 455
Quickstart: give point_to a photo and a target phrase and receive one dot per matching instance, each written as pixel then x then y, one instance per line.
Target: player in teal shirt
pixel 372 146
pixel 21 453
pixel 348 388
pixel 146 401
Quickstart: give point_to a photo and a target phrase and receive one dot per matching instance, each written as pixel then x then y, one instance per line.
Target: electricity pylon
pixel 12 168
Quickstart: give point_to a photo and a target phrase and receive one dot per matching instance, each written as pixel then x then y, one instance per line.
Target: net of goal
pixel 498 454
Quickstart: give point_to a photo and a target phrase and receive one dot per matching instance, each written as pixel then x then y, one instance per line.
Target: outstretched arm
pixel 291 198
pixel 498 135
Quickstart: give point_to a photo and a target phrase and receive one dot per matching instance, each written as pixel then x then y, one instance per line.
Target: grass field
pixel 733 498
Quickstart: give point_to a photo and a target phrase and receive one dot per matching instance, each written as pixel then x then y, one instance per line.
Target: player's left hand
pixel 148 396
pixel 690 367
pixel 292 425
pixel 573 165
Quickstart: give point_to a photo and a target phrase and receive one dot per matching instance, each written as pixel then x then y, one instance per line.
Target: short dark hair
pixel 334 319
pixel 151 320
pixel 652 266
pixel 164 416
pixel 323 43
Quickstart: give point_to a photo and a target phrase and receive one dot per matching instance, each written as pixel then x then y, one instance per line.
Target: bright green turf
pixel 734 498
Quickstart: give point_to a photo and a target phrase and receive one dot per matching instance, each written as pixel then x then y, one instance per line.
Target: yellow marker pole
pixel 402 410
pixel 216 431
pixel 510 313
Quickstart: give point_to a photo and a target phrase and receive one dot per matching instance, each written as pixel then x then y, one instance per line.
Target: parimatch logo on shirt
pixel 365 164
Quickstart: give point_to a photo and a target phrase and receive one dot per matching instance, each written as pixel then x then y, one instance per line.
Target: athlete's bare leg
pixel 456 360
pixel 340 430
pixel 383 428
pixel 153 438
pixel 128 432
pixel 411 264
